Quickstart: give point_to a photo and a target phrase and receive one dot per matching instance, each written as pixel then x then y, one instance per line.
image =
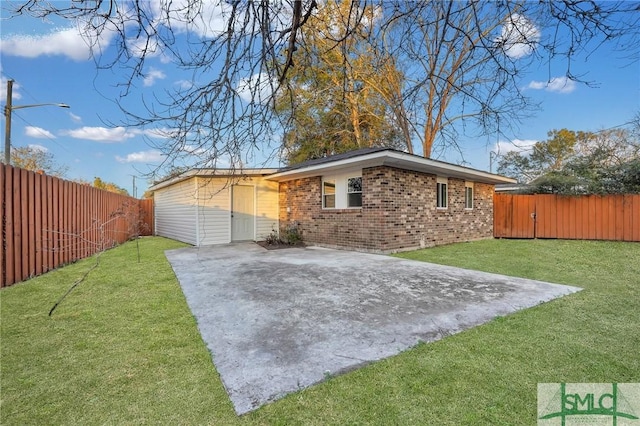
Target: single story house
pixel 372 199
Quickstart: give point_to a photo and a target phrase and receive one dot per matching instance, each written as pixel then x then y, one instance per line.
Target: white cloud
pixel 519 145
pixel 150 156
pixel 195 150
pixel 211 21
pixel 38 132
pixel 75 118
pixel 101 134
pixel 160 132
pixel 37 147
pixel 518 37
pixel 556 84
pixel 144 47
pixel 65 42
pixel 257 88
pixel 152 75
pixel 184 84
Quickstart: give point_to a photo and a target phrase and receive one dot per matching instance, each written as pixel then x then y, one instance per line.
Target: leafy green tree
pixel 544 156
pixel 578 163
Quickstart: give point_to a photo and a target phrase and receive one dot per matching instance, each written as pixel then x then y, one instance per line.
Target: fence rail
pixel 48 222
pixel 587 217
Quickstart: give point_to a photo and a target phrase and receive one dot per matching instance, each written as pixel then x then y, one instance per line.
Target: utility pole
pixel 7 128
pixel 8 109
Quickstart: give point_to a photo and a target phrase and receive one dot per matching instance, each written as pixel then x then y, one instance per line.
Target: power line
pixel 22 89
pixel 40 131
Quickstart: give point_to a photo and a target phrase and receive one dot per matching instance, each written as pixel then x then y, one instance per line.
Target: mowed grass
pixel 123 348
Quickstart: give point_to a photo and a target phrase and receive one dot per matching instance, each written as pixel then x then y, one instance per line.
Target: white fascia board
pixel 211 172
pixel 393 159
pixel 440 168
pixel 360 162
pixel 183 176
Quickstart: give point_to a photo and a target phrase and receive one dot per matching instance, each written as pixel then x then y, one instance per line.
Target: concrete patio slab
pixel 277 321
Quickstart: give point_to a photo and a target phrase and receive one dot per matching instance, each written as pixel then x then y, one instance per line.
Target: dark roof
pixel 336 157
pixel 389 157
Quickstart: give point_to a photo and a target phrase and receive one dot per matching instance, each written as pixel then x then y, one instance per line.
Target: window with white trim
pixel 442 193
pixel 342 191
pixel 468 195
pixel 329 194
pixel 354 192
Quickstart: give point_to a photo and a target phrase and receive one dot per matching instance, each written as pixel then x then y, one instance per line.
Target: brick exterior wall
pixel 398 212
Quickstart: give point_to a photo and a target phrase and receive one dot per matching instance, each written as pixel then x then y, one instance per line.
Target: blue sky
pixel 50 62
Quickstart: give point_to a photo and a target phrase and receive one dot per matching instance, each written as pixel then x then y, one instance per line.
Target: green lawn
pixel 123 348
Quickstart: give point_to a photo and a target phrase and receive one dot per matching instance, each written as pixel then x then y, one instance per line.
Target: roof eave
pixel 211 173
pixel 393 159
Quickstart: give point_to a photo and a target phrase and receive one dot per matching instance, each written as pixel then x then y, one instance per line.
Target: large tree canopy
pixel 337 98
pixel 571 162
pixel 455 65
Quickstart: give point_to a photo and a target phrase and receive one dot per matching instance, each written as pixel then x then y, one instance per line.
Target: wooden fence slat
pixel 75 225
pixel 611 231
pixel 586 213
pixel 56 222
pixel 573 218
pixel 24 219
pixel 9 269
pixel 66 203
pixel 32 241
pixel 50 225
pixel 37 193
pixel 634 207
pixel 17 226
pixel 83 220
pixel 3 216
pixel 594 220
pixel 619 212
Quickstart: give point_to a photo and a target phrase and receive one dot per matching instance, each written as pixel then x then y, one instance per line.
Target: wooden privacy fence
pixel 48 222
pixel 586 217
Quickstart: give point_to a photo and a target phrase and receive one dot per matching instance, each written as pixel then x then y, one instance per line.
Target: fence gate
pixel 514 216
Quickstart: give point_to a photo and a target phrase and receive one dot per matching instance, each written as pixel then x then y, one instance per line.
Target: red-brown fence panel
pixel 48 222
pixel 3 218
pixel 586 217
pixel 146 224
pixel 512 216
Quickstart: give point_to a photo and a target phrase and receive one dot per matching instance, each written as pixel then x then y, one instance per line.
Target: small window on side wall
pixel 468 195
pixel 354 192
pixel 329 194
pixel 441 193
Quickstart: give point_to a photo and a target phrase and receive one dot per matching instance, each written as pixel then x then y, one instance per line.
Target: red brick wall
pixel 398 212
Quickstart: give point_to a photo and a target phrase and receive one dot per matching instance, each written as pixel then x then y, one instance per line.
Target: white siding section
pixel 197 210
pixel 267 207
pixel 175 211
pixel 214 217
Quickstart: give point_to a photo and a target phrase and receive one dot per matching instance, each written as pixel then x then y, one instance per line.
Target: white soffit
pixel 392 159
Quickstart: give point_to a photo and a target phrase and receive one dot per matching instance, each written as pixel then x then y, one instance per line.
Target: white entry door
pixel 242 220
